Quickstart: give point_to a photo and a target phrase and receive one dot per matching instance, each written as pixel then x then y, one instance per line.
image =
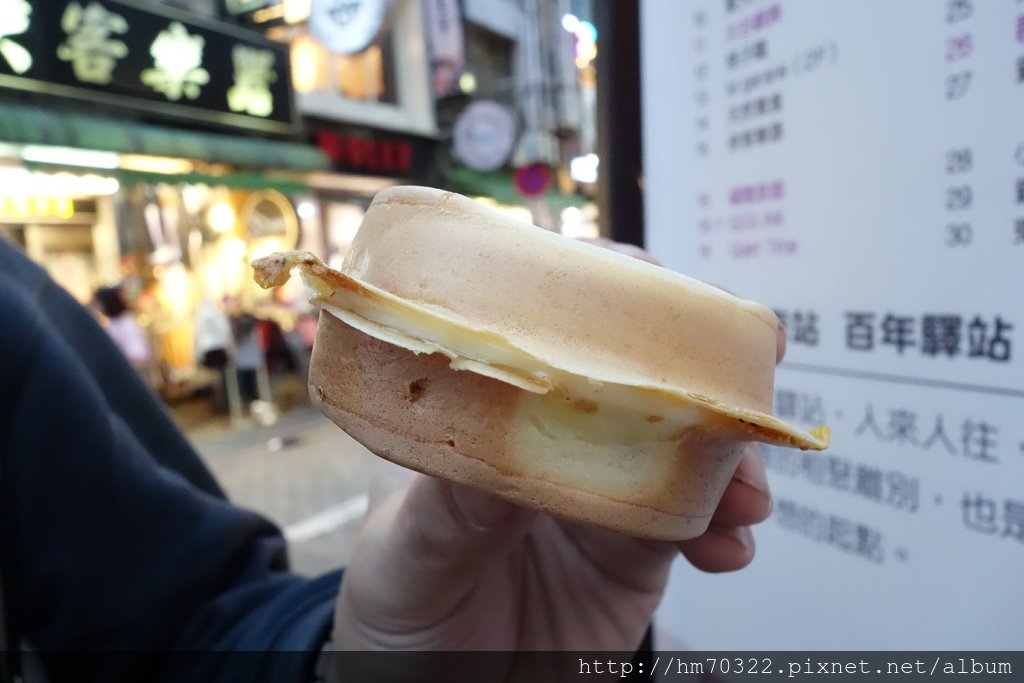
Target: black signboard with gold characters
pixel 144 56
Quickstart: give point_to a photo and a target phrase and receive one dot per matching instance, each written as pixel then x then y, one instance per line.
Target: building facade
pixel 166 145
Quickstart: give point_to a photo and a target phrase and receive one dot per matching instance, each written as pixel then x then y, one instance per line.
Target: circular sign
pixel 533 180
pixel 484 135
pixel 346 27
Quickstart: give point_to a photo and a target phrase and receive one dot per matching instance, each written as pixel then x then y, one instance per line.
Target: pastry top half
pixel 435 272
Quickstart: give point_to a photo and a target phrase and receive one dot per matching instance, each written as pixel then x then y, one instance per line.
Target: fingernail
pixel 762 488
pixel 480 509
pixel 741 534
pixel 752 471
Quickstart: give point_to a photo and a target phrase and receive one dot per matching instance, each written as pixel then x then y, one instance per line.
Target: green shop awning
pixel 24 125
pixel 241 181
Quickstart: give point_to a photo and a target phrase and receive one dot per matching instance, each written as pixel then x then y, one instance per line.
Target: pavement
pixel 302 472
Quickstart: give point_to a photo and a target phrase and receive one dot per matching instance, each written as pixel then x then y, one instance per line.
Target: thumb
pixel 455 530
pixel 479 510
pixel 415 565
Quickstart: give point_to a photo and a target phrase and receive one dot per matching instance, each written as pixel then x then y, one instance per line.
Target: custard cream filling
pixel 394 320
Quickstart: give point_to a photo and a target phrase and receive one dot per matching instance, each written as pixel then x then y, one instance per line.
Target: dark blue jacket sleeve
pixel 113 536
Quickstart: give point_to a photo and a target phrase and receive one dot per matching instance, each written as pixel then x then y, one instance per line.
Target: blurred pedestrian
pixel 122 327
pixel 214 346
pixel 249 359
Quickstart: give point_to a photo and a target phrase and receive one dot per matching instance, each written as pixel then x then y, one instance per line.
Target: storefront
pixel 157 150
pixel 364 160
pixel 170 242
pixel 65 222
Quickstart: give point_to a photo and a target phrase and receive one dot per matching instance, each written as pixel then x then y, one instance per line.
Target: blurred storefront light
pixel 309 65
pixel 576 223
pixel 360 76
pixel 586 31
pixel 36 206
pixel 585 34
pixel 342 221
pixel 467 83
pixel 519 213
pixel 221 217
pixel 175 291
pixel 69 156
pixel 584 169
pixel 584 58
pixel 234 249
pixel 18 181
pixel 144 163
pixel 297 10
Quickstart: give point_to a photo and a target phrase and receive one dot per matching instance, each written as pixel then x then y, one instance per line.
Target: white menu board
pixel 858 166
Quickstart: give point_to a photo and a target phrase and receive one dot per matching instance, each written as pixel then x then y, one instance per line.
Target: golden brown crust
pixel 419 413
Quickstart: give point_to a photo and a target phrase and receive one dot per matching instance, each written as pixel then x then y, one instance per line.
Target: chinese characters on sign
pixel 987 516
pixel 797 406
pixel 973 438
pixel 16 21
pixel 755 222
pixel 833 530
pixel 254 72
pixel 892 488
pixel 934 334
pixel 898 435
pixel 90 45
pixel 752 23
pixel 177 64
pixel 896 432
pixel 801 326
pixel 147 56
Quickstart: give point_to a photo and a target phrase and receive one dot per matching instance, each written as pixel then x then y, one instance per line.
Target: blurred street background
pixel 150 151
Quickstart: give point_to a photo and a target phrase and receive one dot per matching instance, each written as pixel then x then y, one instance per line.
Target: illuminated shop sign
pixel 143 56
pixel 22 207
pixel 369 151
